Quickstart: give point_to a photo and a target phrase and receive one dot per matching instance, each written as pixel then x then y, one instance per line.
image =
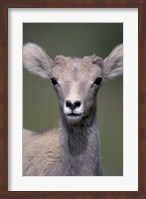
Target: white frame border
pixel 128 182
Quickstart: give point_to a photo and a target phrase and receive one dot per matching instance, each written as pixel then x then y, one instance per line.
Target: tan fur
pixel 47 151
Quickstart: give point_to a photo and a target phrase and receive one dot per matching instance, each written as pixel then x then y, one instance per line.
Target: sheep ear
pixel 36 60
pixel 113 64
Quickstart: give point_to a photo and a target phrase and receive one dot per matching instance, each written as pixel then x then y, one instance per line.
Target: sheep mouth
pixel 74 114
pixel 74 117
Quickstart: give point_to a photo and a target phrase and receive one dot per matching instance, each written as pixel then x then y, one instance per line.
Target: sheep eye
pixel 54 81
pixel 98 81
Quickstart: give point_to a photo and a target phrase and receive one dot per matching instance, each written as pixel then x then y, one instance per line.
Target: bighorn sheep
pixel 74 148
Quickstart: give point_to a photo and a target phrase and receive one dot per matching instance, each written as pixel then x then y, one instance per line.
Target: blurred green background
pixel 40 104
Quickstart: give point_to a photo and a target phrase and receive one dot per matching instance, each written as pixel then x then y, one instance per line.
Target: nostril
pixel 74 105
pixel 68 103
pixel 77 103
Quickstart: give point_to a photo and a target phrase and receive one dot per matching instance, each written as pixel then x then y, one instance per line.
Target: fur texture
pixel 73 149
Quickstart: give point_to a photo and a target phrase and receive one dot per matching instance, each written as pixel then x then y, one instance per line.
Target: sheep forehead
pixel 73 67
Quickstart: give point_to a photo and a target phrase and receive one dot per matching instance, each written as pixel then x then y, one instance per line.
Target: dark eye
pixel 54 81
pixel 98 81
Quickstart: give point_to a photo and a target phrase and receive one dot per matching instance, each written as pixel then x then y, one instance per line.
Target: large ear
pixel 36 60
pixel 113 64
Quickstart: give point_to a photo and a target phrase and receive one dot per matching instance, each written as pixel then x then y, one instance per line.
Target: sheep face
pixel 76 82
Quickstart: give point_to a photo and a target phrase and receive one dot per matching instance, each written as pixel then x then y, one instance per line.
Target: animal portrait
pixel 73 147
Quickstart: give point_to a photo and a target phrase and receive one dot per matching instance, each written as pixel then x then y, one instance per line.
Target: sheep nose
pixel 73 105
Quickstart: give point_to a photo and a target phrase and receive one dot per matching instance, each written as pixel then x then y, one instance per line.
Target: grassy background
pixel 40 104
